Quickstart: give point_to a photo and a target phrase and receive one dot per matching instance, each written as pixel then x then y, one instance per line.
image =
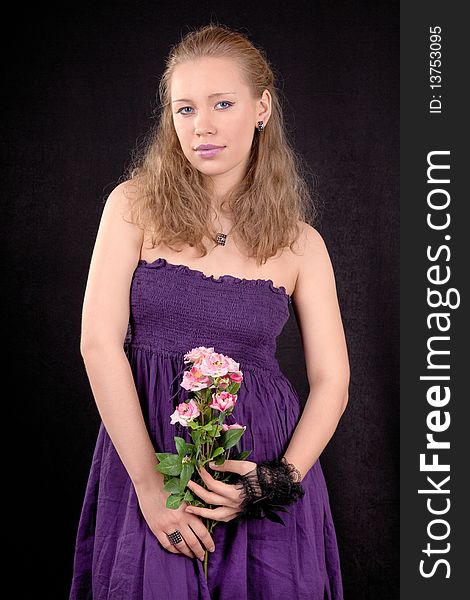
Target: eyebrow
pixel 210 96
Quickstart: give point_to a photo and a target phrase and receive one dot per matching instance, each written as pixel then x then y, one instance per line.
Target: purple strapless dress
pixel 173 309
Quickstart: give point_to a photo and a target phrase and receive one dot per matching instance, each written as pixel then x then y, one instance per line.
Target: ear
pixel 264 105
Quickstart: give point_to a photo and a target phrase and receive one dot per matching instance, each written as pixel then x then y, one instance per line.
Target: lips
pixel 207 147
pixel 208 150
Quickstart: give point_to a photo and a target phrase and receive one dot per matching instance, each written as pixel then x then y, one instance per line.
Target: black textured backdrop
pixel 82 83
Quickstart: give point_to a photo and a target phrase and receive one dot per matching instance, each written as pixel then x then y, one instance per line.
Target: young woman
pixel 206 243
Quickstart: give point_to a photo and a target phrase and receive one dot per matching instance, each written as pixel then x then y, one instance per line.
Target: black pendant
pixel 221 238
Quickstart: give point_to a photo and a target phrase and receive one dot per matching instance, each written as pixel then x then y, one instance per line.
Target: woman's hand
pixel 218 492
pixel 163 521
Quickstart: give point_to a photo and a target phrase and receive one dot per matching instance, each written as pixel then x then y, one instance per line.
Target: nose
pixel 203 123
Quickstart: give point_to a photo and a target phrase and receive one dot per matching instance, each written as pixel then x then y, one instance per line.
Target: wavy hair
pixel 173 202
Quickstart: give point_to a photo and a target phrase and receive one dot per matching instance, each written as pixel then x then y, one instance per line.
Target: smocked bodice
pixel 174 308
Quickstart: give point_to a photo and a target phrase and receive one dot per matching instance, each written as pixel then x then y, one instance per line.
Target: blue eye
pixel 183 108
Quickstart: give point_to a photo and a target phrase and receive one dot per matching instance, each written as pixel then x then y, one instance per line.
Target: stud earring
pixel 260 126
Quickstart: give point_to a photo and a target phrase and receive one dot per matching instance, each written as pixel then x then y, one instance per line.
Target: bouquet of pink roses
pixel 213 380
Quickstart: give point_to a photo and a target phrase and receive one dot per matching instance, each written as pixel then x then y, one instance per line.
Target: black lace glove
pixel 270 486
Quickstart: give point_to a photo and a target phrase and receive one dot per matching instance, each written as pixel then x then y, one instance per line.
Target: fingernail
pixel 212 549
pixel 201 558
pixel 212 465
pixel 189 510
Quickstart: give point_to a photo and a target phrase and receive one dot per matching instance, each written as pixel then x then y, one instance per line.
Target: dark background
pixel 82 84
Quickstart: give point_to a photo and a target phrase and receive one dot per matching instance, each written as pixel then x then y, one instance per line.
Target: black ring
pixel 175 537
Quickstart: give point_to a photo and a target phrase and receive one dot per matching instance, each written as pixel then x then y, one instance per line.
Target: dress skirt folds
pixel 173 309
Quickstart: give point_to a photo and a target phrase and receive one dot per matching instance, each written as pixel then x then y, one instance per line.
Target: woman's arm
pixel 105 319
pixel 317 311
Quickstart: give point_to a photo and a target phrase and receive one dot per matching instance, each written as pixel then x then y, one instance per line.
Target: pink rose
pixel 215 364
pixel 225 427
pixel 186 411
pixel 223 401
pixel 197 354
pixel 232 365
pixel 194 379
pixel 236 376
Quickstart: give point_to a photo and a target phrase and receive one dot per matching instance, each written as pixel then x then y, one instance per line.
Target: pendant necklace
pixel 221 237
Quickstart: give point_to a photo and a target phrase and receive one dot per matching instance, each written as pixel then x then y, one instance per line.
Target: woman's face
pixel 211 105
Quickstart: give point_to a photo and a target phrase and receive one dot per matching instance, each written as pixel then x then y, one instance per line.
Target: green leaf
pixel 174 501
pixel 233 388
pixel 232 437
pixel 173 485
pixel 188 497
pixel 180 445
pixel 160 468
pixel 171 465
pixel 218 451
pixel 186 473
pixel 242 455
pixel 196 437
pixel 162 455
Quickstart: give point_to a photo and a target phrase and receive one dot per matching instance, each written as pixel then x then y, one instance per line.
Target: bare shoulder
pixel 118 215
pixel 119 239
pixel 315 275
pixel 121 199
pixel 309 237
pixel 312 254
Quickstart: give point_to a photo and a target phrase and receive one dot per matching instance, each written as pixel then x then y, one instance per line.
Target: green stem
pixel 210 524
pixel 213 439
pixel 206 558
pixel 206 552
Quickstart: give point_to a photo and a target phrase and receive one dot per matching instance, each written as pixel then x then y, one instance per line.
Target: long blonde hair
pixel 173 202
